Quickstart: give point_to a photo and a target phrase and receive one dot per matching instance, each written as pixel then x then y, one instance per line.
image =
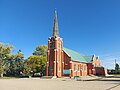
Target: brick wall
pixel 90 69
pixel 78 72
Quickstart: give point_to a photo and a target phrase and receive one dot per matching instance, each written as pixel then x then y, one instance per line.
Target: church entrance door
pixel 51 70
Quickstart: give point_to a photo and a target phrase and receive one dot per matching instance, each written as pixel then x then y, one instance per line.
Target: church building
pixel 62 61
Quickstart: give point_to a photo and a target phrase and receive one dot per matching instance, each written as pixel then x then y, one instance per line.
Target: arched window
pixel 74 67
pixel 66 62
pixel 78 67
pixel 84 68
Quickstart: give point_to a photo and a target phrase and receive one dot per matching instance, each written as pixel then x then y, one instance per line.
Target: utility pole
pixel 115 62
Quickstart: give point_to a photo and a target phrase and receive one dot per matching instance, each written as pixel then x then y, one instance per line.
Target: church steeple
pixel 55 27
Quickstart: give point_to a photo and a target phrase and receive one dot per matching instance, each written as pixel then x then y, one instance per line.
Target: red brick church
pixel 66 62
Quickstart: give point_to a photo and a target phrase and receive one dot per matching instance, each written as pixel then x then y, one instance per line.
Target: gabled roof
pixel 75 56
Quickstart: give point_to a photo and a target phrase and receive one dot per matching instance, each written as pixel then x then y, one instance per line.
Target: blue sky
pixel 87 26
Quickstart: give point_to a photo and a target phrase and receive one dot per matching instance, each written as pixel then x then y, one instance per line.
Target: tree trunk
pixel 1 75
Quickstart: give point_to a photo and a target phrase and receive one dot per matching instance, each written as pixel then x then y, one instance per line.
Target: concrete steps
pixel 90 78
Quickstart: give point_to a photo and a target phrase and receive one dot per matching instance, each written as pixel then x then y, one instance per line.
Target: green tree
pixel 19 61
pixel 43 64
pixel 33 62
pixel 27 69
pixel 16 64
pixel 5 51
pixel 41 51
pixel 117 68
pixel 36 64
pixel 12 65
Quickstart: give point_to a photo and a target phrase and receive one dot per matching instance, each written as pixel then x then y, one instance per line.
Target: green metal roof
pixel 75 56
pixel 89 59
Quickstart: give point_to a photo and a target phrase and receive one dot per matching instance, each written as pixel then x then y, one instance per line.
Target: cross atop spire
pixel 55 27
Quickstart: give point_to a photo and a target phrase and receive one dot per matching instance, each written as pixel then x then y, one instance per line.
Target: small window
pixel 52 45
pixel 84 68
pixel 74 67
pixel 59 45
pixel 66 62
pixel 78 67
pixel 59 69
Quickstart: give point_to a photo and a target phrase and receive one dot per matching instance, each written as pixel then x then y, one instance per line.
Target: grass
pixel 115 74
pixel 14 77
pixel 9 77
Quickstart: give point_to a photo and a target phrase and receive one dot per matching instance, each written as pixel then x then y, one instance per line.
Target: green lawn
pixel 8 77
pixel 115 74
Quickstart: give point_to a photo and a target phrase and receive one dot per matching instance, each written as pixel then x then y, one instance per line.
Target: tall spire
pixel 55 27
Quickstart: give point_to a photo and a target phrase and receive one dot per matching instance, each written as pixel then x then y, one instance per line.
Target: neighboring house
pixel 65 62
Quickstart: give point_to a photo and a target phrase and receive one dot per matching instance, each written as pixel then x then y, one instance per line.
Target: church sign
pixel 66 71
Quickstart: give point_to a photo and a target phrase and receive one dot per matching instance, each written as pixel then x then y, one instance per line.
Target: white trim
pixel 55 49
pixel 59 71
pixel 55 38
pixel 70 62
pixel 66 64
pixel 75 71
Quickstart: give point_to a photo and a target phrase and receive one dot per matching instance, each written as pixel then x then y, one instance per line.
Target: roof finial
pixel 55 12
